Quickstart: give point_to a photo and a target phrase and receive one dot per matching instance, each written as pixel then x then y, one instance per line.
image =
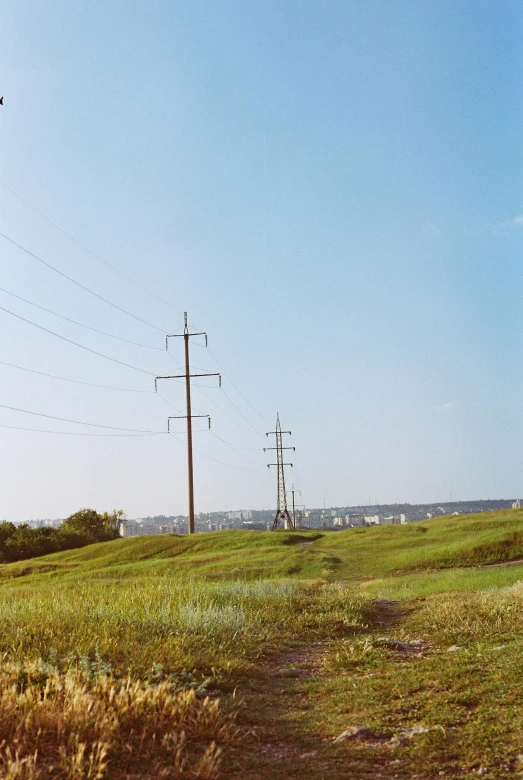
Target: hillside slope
pixel 354 554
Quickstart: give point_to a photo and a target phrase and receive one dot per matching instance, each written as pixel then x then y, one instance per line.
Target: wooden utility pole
pixel 187 376
pixel 190 471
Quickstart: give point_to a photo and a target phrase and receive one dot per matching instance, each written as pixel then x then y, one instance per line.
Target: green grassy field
pixel 353 554
pixel 262 648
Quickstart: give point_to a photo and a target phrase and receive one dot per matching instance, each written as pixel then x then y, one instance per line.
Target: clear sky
pixel 333 191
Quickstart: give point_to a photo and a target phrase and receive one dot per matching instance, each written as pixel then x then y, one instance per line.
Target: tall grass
pixel 66 725
pixel 109 680
pixel 201 627
pixel 467 617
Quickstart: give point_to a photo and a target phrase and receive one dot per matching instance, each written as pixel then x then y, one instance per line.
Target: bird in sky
pixel 2 101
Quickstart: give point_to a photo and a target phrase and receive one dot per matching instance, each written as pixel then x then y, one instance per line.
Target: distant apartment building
pixel 44 523
pixel 394 520
pixel 136 528
pixel 349 521
pixel 241 515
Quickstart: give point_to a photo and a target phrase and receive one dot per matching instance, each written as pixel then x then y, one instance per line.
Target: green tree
pixel 94 526
pixel 7 532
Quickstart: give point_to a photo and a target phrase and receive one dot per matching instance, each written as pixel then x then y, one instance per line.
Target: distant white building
pixel 372 519
pixel 241 514
pixel 351 520
pixel 133 528
pixel 391 520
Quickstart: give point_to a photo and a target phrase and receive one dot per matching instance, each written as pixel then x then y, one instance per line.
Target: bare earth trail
pixel 281 718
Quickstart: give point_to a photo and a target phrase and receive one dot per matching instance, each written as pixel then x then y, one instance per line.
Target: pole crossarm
pixel 184 417
pixel 181 336
pixel 184 376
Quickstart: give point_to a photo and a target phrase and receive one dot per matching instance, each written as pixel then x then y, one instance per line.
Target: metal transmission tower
pixel 187 376
pixel 282 513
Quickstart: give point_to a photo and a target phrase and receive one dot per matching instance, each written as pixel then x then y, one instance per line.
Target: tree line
pixel 19 542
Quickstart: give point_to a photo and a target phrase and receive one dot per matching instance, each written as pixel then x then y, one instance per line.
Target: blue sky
pixel 331 190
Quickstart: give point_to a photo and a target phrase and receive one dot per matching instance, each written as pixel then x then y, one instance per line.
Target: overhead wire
pixel 233 383
pixel 236 422
pixel 105 300
pixel 77 422
pixel 85 248
pixel 199 387
pixel 232 447
pixel 75 381
pixel 241 414
pixel 76 344
pixel 76 433
pixel 271 480
pixel 237 389
pixel 228 444
pixel 81 324
pixel 229 465
pixel 79 284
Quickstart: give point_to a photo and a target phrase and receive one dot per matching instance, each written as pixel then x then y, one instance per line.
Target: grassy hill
pixel 113 656
pixel 353 554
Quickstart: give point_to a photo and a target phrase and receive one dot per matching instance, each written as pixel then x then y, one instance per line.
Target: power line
pixel 241 414
pixel 76 422
pixel 227 443
pixel 199 387
pixel 233 383
pixel 236 387
pixel 76 381
pixel 229 465
pixel 177 364
pixel 85 248
pixel 73 433
pixel 241 425
pixel 251 427
pixel 70 341
pixel 75 322
pixel 79 284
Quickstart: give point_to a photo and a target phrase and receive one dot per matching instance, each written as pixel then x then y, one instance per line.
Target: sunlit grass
pixel 133 624
pixel 69 725
pixel 443 581
pixel 99 643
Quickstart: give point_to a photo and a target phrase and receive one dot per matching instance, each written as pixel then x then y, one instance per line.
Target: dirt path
pixel 280 709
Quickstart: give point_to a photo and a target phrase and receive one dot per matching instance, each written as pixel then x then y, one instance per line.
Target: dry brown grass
pixel 56 725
